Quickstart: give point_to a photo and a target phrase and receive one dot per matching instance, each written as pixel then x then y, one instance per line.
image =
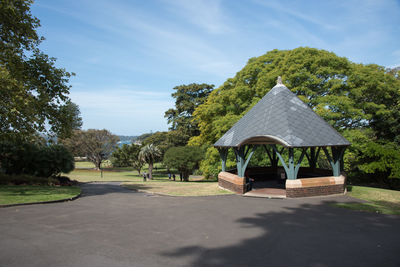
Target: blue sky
pixel 128 55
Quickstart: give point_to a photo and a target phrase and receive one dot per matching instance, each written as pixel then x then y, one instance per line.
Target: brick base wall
pixel 232 182
pixel 309 187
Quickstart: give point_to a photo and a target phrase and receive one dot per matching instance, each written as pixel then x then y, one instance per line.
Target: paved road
pixel 112 226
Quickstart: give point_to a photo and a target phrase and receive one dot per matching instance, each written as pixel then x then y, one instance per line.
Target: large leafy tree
pixel 349 96
pixel 184 158
pixel 127 155
pixel 187 99
pixel 166 140
pixel 34 92
pixel 124 156
pixel 96 145
pixel 150 154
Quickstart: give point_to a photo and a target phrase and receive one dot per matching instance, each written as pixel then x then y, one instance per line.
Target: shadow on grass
pixel 304 235
pixel 380 206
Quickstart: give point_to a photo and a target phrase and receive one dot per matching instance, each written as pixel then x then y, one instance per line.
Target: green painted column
pixel 291 172
pixel 291 168
pixel 223 153
pixel 241 162
pixel 336 159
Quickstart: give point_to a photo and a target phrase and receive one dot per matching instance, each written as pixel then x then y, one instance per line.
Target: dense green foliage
pixel 34 92
pixel 96 145
pixel 127 156
pixel 124 156
pixel 35 160
pixel 185 159
pixel 351 97
pixel 166 140
pixel 187 99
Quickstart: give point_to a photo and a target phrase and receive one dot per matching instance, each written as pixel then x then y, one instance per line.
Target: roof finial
pixel 279 80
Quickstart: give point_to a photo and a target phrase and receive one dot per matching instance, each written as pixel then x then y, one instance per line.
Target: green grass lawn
pixel 88 164
pixel 377 200
pixel 16 194
pixel 108 176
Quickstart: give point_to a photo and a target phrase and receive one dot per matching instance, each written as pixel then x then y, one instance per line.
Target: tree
pixel 187 99
pixel 33 91
pixel 185 159
pixel 124 156
pixel 71 120
pixel 138 164
pixel 166 140
pixel 149 154
pixel 349 96
pixel 96 145
pixel 127 155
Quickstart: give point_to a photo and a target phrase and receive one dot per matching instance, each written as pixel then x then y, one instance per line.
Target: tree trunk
pixel 97 164
pixel 151 170
pixel 185 176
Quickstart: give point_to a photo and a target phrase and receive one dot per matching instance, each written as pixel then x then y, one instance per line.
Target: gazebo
pixel 281 119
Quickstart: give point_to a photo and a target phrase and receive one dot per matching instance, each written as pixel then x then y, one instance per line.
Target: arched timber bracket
pixel 223 153
pixel 336 159
pixel 241 162
pixel 290 169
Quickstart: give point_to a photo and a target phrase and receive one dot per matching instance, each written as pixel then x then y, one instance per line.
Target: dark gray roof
pixel 280 117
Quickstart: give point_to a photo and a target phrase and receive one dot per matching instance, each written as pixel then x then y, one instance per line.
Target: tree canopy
pixel 185 159
pixel 349 96
pixel 34 92
pixel 187 99
pixel 166 140
pixel 96 145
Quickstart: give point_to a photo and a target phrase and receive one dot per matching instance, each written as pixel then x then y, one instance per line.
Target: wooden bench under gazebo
pixel 280 122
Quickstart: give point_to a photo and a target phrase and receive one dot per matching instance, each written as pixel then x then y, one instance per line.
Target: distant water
pixel 127 142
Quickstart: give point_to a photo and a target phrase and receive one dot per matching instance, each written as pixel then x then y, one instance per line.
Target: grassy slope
pixel 377 200
pixel 160 184
pixel 15 194
pixel 176 188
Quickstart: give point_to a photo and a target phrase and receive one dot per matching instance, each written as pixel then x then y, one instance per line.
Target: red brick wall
pixel 320 186
pixel 232 182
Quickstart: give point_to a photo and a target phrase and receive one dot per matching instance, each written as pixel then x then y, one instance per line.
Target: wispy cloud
pixel 206 14
pixel 291 10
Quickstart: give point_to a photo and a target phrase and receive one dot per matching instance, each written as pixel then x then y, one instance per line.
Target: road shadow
pixel 305 235
pixel 104 188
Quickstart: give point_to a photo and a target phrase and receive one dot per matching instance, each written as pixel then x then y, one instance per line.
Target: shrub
pixel 23 179
pixel 35 160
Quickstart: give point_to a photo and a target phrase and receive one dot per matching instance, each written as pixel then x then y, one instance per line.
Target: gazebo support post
pixel 241 161
pixel 223 153
pixel 336 160
pixel 291 169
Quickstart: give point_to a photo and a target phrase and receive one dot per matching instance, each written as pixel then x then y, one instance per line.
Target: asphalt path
pixel 113 226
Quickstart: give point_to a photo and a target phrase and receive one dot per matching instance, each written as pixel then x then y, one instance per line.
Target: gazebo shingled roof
pixel 280 117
